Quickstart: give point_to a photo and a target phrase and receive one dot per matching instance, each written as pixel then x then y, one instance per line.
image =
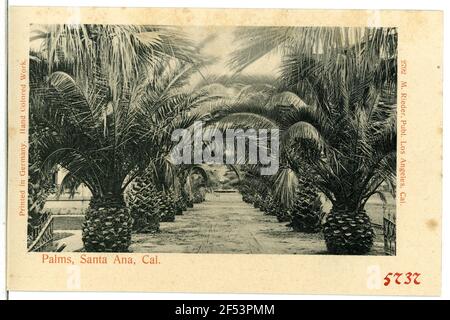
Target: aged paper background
pixel 418 219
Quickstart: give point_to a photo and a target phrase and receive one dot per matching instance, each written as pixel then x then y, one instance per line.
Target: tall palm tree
pixel 347 80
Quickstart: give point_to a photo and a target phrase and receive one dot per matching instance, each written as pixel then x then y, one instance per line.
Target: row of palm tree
pixel 305 214
pixel 109 98
pixel 335 105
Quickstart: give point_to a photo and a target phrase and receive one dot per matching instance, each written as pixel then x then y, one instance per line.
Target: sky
pixel 220 44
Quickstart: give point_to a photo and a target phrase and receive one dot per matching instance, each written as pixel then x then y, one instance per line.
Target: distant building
pixel 65 203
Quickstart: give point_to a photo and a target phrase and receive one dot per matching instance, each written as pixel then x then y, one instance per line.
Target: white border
pixel 301 4
pixel 3 144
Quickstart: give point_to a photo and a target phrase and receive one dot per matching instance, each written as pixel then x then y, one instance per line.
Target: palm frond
pixel 256 42
pixel 285 185
pixel 303 131
pixel 245 120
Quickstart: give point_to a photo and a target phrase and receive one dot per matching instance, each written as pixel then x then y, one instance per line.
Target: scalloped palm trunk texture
pixel 144 205
pixel 347 233
pixel 107 227
pixel 307 210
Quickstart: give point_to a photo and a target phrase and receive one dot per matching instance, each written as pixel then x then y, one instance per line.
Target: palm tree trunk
pixel 142 199
pixel 307 208
pixel 348 231
pixel 108 224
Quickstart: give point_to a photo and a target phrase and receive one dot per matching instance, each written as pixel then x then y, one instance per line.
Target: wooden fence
pixel 42 236
pixel 390 234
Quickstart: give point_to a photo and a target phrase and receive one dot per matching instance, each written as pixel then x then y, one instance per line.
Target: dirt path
pixel 225 224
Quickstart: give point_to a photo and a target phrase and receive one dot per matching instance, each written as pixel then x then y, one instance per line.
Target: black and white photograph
pixel 209 139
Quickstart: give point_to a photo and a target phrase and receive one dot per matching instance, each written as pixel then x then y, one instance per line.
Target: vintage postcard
pixel 224 150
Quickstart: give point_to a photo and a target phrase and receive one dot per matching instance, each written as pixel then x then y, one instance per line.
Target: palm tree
pixel 106 137
pixel 347 80
pixel 307 213
pixel 263 106
pixel 144 201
